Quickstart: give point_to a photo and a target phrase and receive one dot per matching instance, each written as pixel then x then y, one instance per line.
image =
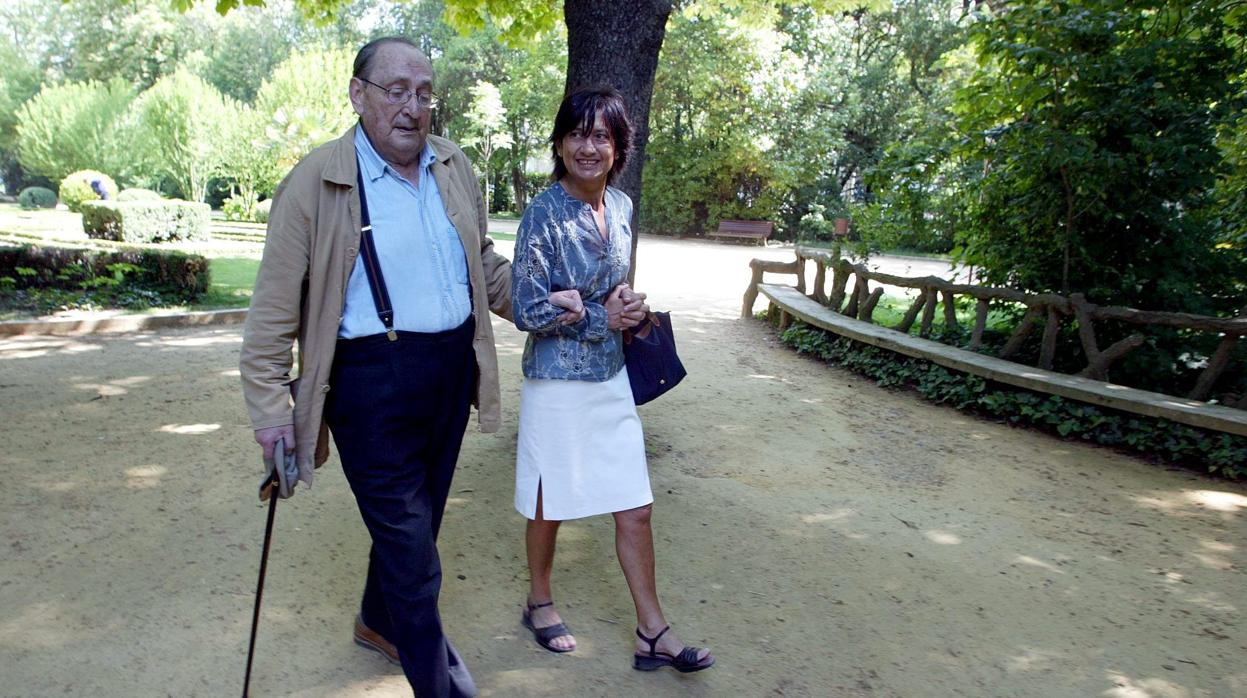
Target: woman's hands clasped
pixel 570 301
pixel 625 308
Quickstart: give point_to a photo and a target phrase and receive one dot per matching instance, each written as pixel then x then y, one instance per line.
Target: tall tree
pixel 184 124
pixel 1095 121
pixel 487 132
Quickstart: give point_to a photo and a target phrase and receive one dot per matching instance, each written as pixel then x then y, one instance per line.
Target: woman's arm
pixel 536 258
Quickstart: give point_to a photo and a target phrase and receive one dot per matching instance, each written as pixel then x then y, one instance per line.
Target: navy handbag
pixel 649 353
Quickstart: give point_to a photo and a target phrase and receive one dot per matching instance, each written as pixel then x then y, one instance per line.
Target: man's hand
pixel 268 436
pixel 571 302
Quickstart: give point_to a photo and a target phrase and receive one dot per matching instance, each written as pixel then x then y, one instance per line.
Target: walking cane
pixel 273 487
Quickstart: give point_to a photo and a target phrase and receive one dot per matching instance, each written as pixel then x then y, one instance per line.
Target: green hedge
pixel 137 194
pixel 36 197
pixel 177 276
pixel 1151 436
pixel 146 221
pixel 80 187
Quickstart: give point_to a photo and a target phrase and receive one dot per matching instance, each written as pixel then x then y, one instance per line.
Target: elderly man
pixel 377 262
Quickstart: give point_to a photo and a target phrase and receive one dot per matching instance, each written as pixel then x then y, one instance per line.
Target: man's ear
pixel 356 92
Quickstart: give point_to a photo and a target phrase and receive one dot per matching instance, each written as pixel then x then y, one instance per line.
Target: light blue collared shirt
pixel 421 255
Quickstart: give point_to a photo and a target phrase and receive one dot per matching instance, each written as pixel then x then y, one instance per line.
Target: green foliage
pixel 302 105
pixel 47 279
pixel 519 21
pixel 710 156
pixel 487 129
pixel 1170 441
pixel 247 48
pixel 138 194
pixel 238 208
pixel 36 197
pixel 241 208
pixel 19 81
pixel 146 221
pixel 73 127
pixel 138 40
pixel 261 211
pixel 79 187
pixel 1228 214
pixel 184 126
pixel 1094 123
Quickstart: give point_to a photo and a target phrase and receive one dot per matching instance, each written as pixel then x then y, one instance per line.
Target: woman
pixel 581 451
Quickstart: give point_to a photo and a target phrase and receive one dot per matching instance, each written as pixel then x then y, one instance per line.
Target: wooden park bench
pixel 747 230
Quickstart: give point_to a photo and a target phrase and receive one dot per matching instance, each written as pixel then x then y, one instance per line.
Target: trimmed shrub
pixel 146 221
pixel 36 197
pixel 136 194
pixel 86 185
pixel 125 278
pixel 76 126
pixel 239 207
pixel 262 210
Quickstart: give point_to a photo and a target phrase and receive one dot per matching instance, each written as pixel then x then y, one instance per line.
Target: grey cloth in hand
pixel 287 473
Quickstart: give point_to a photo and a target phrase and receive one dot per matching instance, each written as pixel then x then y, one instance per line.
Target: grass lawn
pixel 232 281
pixel 891 310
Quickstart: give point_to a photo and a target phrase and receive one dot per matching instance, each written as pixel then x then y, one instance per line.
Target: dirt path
pixel 824 536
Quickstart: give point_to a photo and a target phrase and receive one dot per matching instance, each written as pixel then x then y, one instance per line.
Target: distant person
pixel 581 451
pixel 394 345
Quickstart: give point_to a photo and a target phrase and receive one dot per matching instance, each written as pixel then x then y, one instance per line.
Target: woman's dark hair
pixel 363 59
pixel 578 111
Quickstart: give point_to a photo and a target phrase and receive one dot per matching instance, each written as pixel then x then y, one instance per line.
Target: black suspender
pixel 372 266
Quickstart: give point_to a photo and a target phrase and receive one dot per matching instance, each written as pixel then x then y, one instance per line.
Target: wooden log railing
pixel 1050 310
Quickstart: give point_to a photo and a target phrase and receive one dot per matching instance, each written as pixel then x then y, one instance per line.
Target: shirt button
pixel 350 251
pixel 324 388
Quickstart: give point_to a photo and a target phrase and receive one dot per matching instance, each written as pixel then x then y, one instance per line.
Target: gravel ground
pixel 824 536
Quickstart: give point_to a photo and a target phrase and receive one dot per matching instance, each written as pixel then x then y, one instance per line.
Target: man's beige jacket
pixel 313 239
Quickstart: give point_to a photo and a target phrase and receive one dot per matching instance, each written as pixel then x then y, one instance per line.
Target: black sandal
pixel 685 662
pixel 544 635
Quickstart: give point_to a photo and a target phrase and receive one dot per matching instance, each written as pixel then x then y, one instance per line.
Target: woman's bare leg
pixel 540 537
pixel 634 543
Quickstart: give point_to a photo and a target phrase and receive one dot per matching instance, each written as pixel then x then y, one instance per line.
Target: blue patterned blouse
pixel 559 248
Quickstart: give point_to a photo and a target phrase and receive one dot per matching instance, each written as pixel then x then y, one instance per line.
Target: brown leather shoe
pixel 369 639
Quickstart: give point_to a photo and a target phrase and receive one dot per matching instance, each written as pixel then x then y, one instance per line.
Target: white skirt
pixel 581 443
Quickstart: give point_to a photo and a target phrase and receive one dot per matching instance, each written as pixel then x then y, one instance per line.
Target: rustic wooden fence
pixel 1050 310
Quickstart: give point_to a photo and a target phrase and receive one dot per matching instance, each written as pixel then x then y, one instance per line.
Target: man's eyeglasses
pixel 401 95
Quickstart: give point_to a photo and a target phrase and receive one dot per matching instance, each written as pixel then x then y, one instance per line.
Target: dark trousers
pixel 397 411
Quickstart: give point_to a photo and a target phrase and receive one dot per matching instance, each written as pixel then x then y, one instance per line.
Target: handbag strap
pixel 372 266
pixel 643 328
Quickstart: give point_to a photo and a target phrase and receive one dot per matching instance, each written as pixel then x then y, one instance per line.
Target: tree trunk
pixel 617 44
pixel 519 185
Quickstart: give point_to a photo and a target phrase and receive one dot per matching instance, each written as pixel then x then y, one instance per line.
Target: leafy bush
pixel 86 185
pixel 1091 187
pixel 73 127
pixel 238 208
pixel 302 106
pixel 819 224
pixel 137 194
pixel 1219 453
pixel 36 197
pixel 185 124
pixel 262 210
pixel 146 221
pixel 43 279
